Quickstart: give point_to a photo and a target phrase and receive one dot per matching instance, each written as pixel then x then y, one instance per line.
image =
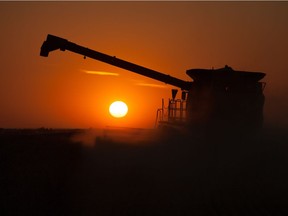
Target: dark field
pixel 83 172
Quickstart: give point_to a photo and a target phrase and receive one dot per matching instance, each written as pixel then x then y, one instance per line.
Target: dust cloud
pixel 121 135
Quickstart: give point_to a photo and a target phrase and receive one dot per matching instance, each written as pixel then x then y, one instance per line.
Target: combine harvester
pixel 217 100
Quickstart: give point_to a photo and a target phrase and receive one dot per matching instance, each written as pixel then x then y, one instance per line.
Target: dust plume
pixel 119 135
pixel 86 137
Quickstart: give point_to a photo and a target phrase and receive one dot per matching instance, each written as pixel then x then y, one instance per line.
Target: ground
pixel 49 172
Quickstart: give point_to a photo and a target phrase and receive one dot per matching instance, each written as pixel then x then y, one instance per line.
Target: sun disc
pixel 118 109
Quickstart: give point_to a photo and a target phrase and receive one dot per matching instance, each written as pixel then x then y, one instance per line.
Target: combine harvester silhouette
pixel 217 100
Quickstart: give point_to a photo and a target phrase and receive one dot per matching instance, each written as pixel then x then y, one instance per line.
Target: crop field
pixel 139 172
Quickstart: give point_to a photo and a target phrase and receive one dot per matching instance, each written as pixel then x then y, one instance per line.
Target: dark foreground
pixel 49 172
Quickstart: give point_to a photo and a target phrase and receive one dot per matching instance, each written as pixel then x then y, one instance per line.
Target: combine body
pixel 216 99
pixel 220 99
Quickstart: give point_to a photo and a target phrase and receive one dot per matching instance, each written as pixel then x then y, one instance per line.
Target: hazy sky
pixel 170 37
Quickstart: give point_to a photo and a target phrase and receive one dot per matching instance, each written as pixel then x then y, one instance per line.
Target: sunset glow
pixel 67 90
pixel 118 109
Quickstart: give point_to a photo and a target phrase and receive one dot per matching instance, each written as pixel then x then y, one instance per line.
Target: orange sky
pixel 169 37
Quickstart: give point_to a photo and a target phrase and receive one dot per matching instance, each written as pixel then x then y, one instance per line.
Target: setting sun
pixel 118 109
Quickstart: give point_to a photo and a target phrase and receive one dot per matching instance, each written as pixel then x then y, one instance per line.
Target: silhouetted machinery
pixel 217 99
